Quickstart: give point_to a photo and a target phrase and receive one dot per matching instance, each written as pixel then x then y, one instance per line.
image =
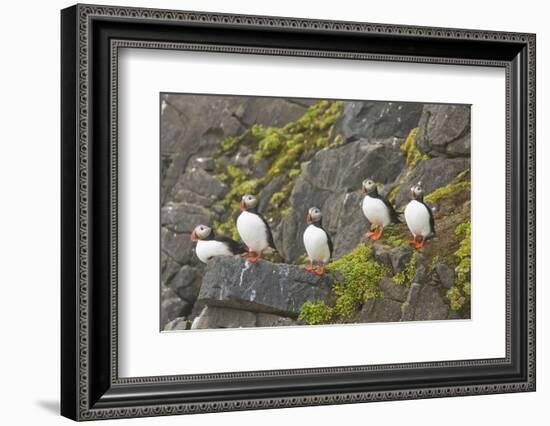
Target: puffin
pixel 317 241
pixel 253 228
pixel 419 217
pixel 377 209
pixel 210 245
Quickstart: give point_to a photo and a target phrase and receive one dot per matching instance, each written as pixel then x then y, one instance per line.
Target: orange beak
pixel 412 194
pixel 241 205
pixel 193 236
pixel 308 219
pixel 364 190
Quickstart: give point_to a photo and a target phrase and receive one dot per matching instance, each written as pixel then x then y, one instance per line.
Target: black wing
pixel 329 242
pixel 393 214
pixel 234 246
pixel 432 221
pixel 268 230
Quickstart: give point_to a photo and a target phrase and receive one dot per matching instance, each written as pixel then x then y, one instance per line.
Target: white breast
pixel 207 250
pixel 316 243
pixel 252 231
pixel 418 218
pixel 376 211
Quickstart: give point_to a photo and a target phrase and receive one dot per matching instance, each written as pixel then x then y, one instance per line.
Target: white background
pixel 142 346
pixel 29 225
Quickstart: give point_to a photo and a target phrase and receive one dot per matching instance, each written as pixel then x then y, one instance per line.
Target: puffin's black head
pixel 417 192
pixel 368 186
pixel 313 215
pixel 248 201
pixel 201 232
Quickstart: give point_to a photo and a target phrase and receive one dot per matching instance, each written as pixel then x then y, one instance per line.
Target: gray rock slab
pixel 445 129
pixel 392 290
pixel 261 287
pixel 183 217
pixel 369 119
pixel 219 317
pixel 185 283
pixel 172 306
pixel 431 305
pixel 445 275
pixel 381 310
pixel 270 320
pixel 409 306
pixel 180 323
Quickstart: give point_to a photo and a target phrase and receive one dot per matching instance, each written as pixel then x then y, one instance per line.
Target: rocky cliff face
pixel 299 153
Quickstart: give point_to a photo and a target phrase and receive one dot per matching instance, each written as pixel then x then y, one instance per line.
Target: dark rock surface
pixel 445 130
pixel 445 275
pixel 221 317
pixel 180 323
pixel 337 194
pixel 378 119
pixel 392 290
pixel 381 310
pixel 270 320
pixel 409 307
pixel 261 287
pixel 171 306
pixel 185 284
pixel 431 305
pixel 433 173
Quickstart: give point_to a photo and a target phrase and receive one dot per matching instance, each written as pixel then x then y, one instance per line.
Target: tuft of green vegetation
pixel 316 312
pixel 393 193
pixel 406 277
pixel 394 236
pixel 460 183
pixel 412 155
pixel 411 151
pixel 282 150
pixel 360 274
pixel 459 293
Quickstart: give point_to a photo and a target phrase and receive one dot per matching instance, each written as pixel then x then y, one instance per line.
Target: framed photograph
pixel 263 212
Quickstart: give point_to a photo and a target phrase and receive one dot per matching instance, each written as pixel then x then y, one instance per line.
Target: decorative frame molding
pixel 91 388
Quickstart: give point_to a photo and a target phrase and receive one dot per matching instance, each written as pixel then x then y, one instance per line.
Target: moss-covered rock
pixel 357 275
pixel 281 151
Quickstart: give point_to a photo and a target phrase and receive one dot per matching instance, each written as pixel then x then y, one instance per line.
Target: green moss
pixel 316 312
pixel 293 173
pixel 337 140
pixel 456 298
pixel 412 156
pixel 411 151
pixel 460 183
pixel 229 143
pixel 393 193
pixel 361 274
pixel 459 294
pixel 394 236
pixel 406 277
pixel 395 241
pixel 284 149
pixel 277 198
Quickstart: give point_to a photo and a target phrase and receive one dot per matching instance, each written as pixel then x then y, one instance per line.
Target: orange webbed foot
pixel 320 271
pixel 421 244
pixel 309 267
pixel 377 235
